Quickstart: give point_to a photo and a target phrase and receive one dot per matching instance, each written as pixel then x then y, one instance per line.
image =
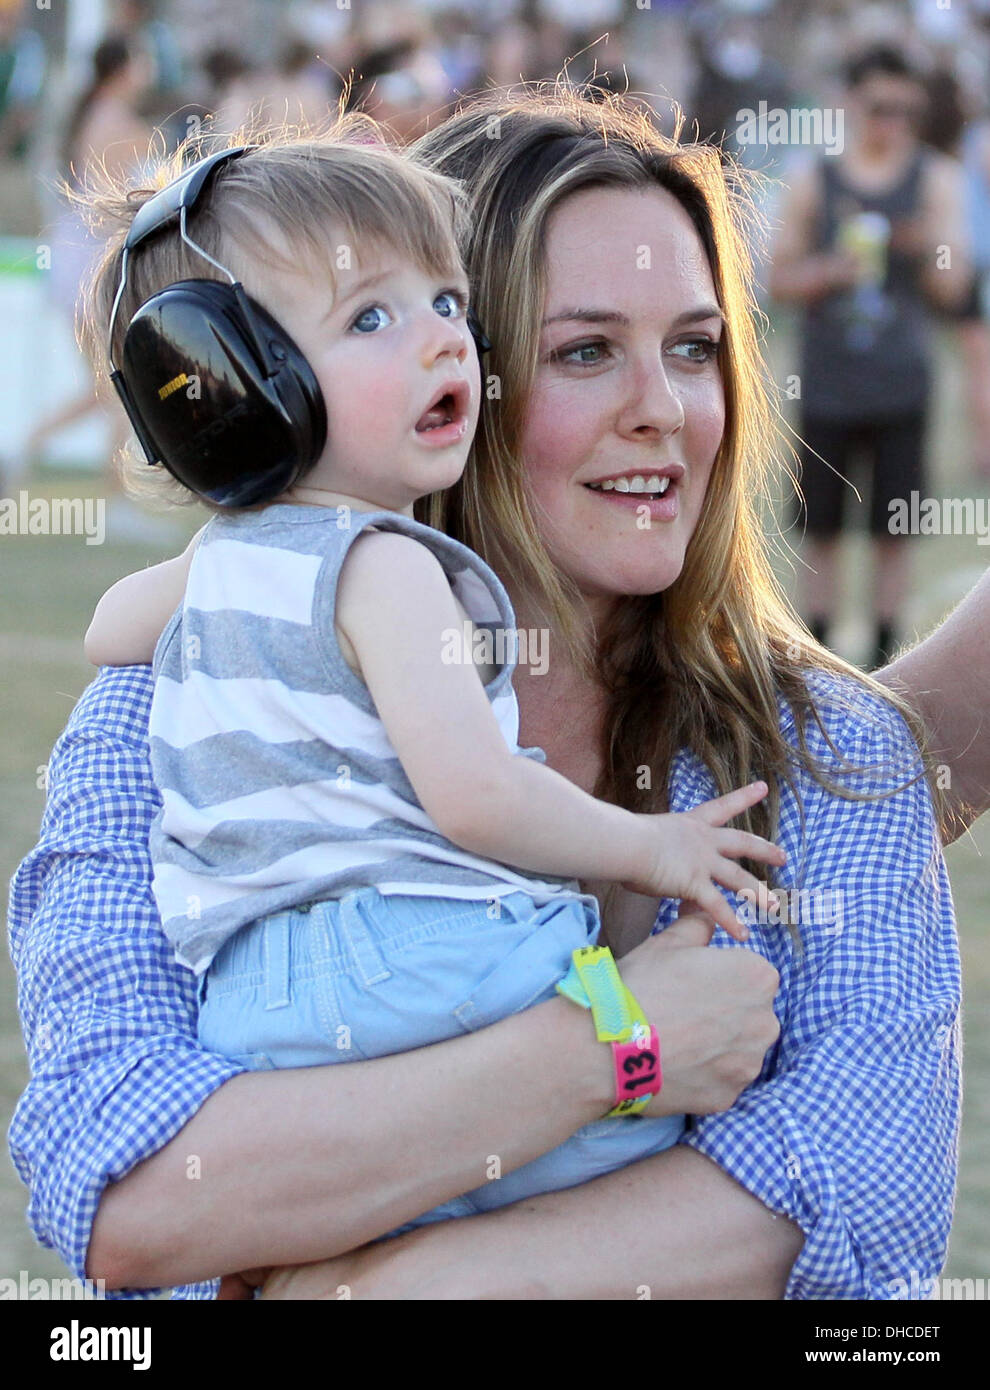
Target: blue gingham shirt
pixel 851 1130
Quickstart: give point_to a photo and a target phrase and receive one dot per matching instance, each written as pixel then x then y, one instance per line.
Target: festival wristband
pixel 593 981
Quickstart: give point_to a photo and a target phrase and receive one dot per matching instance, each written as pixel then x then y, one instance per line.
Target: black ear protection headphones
pixel 214 387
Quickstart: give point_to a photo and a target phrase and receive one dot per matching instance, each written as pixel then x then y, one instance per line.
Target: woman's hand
pixel 713 1011
pixel 241 1286
pixel 832 271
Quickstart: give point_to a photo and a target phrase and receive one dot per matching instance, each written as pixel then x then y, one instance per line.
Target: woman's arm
pixel 133 613
pixel 947 678
pixel 852 1131
pixel 674 1227
pixel 127 1121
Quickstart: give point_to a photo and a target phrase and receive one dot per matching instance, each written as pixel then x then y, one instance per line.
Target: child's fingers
pixel 741 842
pixel 712 902
pixel 722 808
pixel 732 875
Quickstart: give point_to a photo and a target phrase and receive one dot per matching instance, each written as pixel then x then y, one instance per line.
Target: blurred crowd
pixel 408 61
pixel 909 171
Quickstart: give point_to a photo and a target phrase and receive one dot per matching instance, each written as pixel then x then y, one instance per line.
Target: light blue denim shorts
pixel 373 974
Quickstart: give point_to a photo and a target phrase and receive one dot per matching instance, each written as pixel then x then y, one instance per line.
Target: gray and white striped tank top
pixel 279 783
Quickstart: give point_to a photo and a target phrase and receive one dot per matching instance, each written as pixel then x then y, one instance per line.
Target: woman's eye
pixel 700 349
pixel 450 304
pixel 371 319
pixel 584 355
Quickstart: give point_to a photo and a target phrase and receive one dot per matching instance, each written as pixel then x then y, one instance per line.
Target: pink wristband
pixel 638 1073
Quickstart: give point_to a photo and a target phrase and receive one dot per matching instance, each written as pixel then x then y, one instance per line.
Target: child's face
pixel 392 343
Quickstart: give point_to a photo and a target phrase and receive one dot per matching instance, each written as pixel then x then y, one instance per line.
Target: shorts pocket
pixel 528 974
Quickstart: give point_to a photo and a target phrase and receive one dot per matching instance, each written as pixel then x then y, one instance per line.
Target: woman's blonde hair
pixel 700 665
pixel 319 200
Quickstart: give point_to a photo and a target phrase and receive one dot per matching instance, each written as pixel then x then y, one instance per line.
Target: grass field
pixel 50 585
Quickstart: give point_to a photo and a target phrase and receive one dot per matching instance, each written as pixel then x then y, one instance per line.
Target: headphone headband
pixel 182 193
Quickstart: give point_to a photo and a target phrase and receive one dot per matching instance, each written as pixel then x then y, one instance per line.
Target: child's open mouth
pixel 445 419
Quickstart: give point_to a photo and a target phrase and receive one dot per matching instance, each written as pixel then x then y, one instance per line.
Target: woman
pixel 672 652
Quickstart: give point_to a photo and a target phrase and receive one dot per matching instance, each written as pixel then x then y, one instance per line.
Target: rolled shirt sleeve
pixel 109 1018
pixel 851 1130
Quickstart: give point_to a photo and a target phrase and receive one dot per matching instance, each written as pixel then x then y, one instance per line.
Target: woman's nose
pixel 652 409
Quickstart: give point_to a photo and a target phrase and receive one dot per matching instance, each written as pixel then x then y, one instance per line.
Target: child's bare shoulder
pixel 381 560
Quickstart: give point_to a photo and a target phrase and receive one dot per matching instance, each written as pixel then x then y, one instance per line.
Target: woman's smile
pixel 653 494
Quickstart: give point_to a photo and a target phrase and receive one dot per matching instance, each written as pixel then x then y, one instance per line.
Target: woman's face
pixel 627 387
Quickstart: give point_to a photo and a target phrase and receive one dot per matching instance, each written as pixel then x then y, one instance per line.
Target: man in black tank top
pixel 872 240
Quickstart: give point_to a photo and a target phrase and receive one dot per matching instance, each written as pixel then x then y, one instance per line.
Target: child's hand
pixel 690 853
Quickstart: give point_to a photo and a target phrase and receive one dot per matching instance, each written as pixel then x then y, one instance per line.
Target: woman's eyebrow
pixel 588 316
pixel 701 311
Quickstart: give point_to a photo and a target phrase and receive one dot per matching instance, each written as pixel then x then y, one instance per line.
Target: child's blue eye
pixel 371 319
pixel 450 303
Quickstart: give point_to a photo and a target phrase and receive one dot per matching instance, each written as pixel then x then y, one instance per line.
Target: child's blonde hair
pixel 301 191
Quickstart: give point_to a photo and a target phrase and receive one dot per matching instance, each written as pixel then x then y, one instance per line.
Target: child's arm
pixel 394 604
pixel 131 616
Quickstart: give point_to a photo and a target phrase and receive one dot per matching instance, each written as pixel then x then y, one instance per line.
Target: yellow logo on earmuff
pixel 165 391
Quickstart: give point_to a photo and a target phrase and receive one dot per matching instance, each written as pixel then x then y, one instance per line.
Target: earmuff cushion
pixel 221 424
